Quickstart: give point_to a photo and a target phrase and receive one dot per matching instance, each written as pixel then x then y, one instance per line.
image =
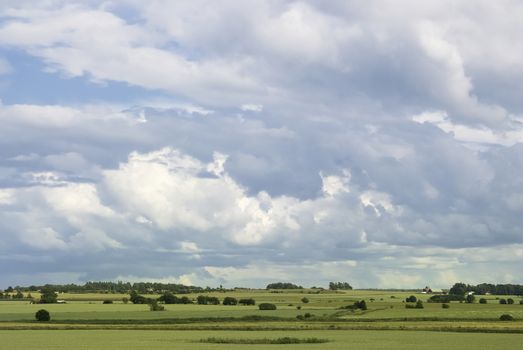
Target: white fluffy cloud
pixel 377 142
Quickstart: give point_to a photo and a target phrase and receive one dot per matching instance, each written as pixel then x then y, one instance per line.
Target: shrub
pixel 298 307
pixel 445 306
pixel 307 315
pixel 510 301
pixel 154 306
pixel 229 301
pixel 419 305
pixel 521 302
pixel 305 300
pixel 506 317
pixel 470 298
pixel 482 301
pixel 125 300
pixel 267 306
pixel 249 301
pixel 43 315
pixel 107 302
pixel 502 301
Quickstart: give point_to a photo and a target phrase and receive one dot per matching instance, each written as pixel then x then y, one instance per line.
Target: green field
pixel 83 322
pixel 104 339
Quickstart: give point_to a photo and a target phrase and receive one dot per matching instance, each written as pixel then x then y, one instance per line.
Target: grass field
pixel 85 323
pixel 363 340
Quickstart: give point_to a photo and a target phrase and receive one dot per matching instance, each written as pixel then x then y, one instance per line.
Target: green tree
pixel 48 296
pixel 470 298
pixel 43 315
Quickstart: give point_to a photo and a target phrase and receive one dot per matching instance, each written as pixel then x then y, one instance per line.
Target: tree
pixel 510 301
pixel 470 298
pixel 48 296
pixel 502 301
pixel 305 300
pixel 43 315
pixel 419 304
pixel 18 295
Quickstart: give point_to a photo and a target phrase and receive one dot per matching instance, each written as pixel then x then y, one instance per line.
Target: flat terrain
pixel 85 323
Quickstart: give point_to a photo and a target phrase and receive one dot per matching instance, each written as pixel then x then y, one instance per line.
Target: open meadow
pixel 84 322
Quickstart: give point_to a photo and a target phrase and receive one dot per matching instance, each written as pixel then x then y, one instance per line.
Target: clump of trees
pixel 339 286
pixel 283 285
pixel 48 296
pixel 207 300
pixel 267 306
pixel 247 301
pixel 230 301
pixel 170 298
pixel 360 304
pixel 411 299
pixel 43 315
pixel 461 288
pixel 445 298
pixel 506 317
pixel 136 298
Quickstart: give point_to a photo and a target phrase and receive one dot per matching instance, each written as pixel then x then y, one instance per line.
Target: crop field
pixel 84 322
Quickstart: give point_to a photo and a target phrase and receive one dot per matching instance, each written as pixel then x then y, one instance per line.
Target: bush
pixel 506 317
pixel 510 301
pixel 521 302
pixel 43 315
pixel 107 302
pixel 305 300
pixel 445 306
pixel 502 301
pixel 267 306
pixel 419 304
pixel 298 307
pixel 482 301
pixel 470 298
pixel 125 300
pixel 154 306
pixel 229 301
pixel 249 301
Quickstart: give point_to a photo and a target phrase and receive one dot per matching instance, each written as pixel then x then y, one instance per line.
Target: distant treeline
pixel 115 287
pixel 283 285
pixel 484 288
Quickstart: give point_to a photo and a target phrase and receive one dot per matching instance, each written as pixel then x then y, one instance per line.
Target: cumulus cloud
pixel 380 142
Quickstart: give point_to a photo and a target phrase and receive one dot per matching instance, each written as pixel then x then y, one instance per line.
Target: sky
pixel 242 143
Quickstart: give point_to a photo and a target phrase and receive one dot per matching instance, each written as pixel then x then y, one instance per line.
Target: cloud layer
pixel 377 143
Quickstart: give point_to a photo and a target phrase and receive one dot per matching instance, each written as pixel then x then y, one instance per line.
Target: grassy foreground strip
pixel 282 340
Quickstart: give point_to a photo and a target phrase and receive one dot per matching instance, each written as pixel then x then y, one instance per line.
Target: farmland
pixel 85 321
